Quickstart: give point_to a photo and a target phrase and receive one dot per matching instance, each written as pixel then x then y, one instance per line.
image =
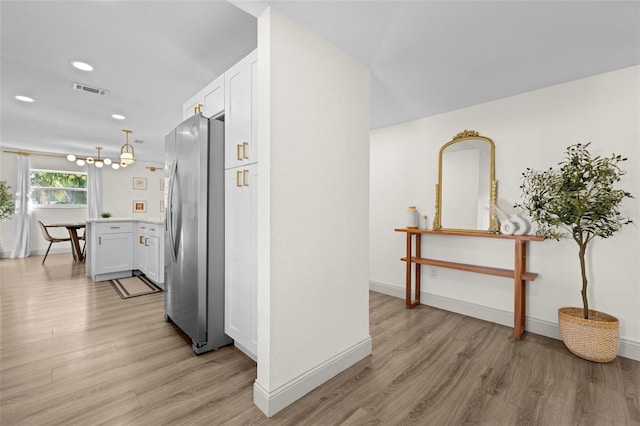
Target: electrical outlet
pixel 434 273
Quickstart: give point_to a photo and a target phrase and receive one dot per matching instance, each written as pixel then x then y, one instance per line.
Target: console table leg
pixel 408 272
pixel 409 302
pixel 416 301
pixel 519 291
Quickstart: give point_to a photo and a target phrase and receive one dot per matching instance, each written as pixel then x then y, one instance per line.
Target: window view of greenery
pixel 58 188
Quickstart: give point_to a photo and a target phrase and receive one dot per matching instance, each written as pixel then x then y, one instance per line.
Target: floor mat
pixel 134 286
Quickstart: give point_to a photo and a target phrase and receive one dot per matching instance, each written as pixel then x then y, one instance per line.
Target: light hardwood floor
pixel 74 353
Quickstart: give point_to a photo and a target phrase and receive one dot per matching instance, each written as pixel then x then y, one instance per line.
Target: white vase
pixel 412 217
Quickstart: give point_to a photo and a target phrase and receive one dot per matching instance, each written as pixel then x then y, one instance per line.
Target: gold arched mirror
pixel 466 191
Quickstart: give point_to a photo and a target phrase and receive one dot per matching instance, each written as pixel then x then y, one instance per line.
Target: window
pixel 58 188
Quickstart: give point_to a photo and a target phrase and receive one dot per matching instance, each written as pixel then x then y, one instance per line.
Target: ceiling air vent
pixel 94 90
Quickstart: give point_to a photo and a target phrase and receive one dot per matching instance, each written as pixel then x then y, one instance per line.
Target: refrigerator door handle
pixel 170 214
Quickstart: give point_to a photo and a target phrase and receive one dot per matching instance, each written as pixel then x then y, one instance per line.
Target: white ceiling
pixel 151 56
pixel 426 58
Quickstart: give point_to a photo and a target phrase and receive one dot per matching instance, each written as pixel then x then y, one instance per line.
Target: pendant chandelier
pixel 126 152
pixel 99 162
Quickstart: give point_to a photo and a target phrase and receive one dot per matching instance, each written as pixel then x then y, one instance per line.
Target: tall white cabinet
pixel 235 94
pixel 241 185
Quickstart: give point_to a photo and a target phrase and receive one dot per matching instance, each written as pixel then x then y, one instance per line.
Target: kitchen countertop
pixel 126 219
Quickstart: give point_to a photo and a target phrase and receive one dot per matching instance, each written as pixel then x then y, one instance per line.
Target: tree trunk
pixel 583 270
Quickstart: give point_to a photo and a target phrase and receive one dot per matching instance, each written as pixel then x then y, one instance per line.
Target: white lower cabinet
pixel 152 249
pixel 111 250
pixel 241 257
pixel 116 248
pixel 150 253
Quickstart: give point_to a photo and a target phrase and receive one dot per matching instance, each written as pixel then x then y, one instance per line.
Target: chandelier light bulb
pixel 98 161
pixel 126 157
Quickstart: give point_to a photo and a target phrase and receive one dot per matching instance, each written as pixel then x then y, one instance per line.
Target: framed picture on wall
pixel 139 183
pixel 139 206
pixel 161 205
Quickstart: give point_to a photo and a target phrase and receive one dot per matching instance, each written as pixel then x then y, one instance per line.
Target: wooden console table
pixel 519 273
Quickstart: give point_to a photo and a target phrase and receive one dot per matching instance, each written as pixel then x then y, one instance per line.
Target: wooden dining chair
pixel 48 237
pixel 83 238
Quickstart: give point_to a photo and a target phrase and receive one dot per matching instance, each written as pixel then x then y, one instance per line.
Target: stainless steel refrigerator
pixel 194 231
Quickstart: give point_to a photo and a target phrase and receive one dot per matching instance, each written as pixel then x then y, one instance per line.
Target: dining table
pixel 73 227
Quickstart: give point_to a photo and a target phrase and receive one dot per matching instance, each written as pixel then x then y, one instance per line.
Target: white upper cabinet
pixel 209 101
pixel 213 98
pixel 190 107
pixel 240 112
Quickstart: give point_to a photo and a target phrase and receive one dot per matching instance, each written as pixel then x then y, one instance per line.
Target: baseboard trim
pixel 270 402
pixel 6 254
pixel 628 348
pixel 112 275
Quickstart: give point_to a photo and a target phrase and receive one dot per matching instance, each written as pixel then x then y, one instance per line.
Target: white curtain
pixel 22 224
pixel 94 192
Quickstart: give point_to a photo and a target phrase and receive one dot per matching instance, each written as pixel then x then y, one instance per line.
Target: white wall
pixel 529 130
pixel 119 194
pixel 118 199
pixel 313 132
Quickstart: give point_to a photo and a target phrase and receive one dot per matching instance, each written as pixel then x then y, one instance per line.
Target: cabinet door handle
pixel 146 242
pixel 244 150
pixel 239 178
pixel 115 227
pixel 239 155
pixel 141 240
pixel 244 178
pixel 99 241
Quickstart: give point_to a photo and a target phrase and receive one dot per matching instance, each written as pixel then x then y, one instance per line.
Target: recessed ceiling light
pixel 118 116
pixel 82 66
pixel 24 98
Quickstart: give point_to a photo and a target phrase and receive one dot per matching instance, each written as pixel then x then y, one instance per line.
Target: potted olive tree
pixel 580 200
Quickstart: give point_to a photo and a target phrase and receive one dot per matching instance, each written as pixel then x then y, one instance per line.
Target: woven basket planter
pixel 596 339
